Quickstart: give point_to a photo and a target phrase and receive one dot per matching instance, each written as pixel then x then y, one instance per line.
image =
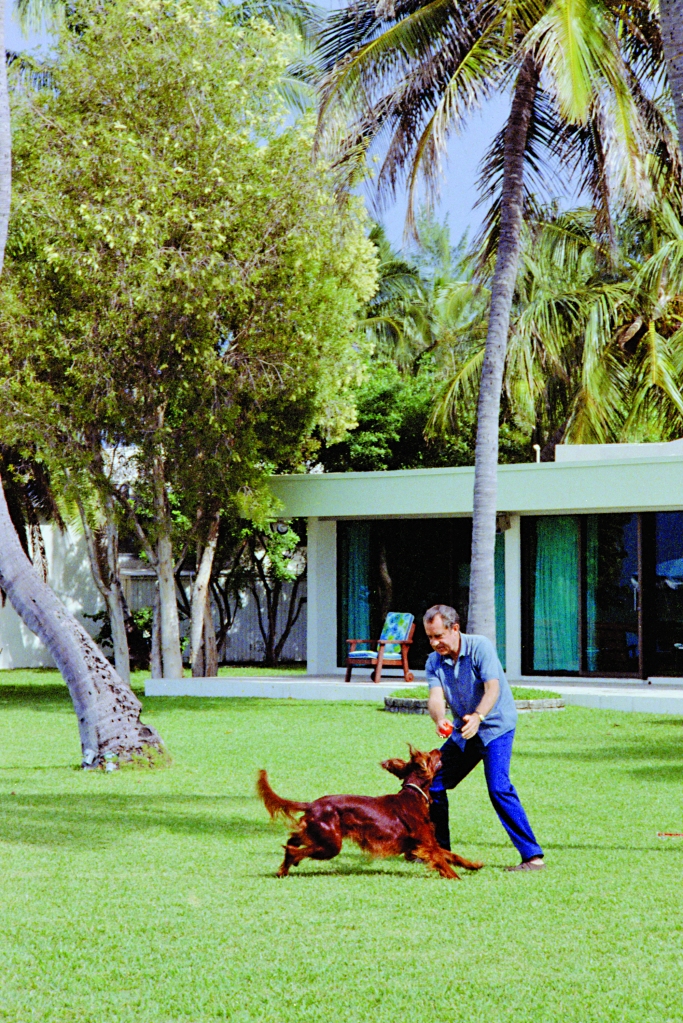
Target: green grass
pixel 149 896
pixel 422 692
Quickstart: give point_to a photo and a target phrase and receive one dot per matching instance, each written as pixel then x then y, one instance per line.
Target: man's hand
pixel 470 725
pixel 444 728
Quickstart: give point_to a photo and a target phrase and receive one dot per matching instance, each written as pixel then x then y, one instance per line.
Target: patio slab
pixel 625 695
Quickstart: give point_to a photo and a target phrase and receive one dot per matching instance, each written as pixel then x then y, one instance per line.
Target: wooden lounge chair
pixel 391 648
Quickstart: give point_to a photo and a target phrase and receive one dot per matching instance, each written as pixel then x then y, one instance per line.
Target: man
pixel 466 669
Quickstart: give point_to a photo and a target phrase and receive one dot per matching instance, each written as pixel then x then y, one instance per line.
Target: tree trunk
pixel 482 607
pixel 671 27
pixel 171 659
pixel 116 602
pixel 200 602
pixel 108 712
pixel 156 666
pixel 110 587
pixel 210 644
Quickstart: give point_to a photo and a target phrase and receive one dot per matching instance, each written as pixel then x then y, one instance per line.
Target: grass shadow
pixel 95 820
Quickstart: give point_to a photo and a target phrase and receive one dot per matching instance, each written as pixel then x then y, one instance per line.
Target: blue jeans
pixel 456 764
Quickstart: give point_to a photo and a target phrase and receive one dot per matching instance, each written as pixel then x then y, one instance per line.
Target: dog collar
pixel 411 785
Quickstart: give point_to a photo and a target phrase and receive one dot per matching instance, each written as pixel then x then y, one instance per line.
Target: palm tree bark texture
pixel 482 612
pixel 671 27
pixel 108 711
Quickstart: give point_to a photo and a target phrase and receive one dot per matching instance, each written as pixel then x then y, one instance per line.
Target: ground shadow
pixel 95 820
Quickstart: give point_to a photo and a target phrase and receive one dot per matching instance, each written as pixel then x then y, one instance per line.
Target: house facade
pixel 589 559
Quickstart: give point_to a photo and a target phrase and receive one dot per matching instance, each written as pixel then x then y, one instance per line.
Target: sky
pixel 458 187
pixel 458 192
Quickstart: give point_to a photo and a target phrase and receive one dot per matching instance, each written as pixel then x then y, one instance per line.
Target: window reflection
pixel 668 653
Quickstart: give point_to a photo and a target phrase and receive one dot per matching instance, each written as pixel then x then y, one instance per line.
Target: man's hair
pixel 449 616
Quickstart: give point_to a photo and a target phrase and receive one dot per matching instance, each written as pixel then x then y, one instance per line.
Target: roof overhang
pixel 624 485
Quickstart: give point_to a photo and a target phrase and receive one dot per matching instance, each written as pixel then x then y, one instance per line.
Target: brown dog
pixel 381 825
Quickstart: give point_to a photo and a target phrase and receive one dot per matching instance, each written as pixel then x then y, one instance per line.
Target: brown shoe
pixel 528 865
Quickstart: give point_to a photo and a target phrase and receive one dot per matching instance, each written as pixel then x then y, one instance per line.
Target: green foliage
pixel 427 317
pixel 179 282
pixel 85 856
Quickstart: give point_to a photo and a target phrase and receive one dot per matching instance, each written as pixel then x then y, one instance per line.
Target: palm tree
pixel 408 73
pixel 595 352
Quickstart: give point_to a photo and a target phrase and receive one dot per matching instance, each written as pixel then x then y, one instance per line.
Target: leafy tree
pixel 181 283
pixel 108 713
pixel 394 413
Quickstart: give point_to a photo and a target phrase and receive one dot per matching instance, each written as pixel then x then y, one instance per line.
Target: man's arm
pixel 436 705
pixel 472 721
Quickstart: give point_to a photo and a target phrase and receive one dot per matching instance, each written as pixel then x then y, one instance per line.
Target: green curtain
pixel 500 596
pixel 556 598
pixel 591 592
pixel 358 576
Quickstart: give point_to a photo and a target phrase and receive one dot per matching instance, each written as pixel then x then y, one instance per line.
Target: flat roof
pixel 619 485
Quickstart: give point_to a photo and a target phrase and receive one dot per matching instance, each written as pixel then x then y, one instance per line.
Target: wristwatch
pixel 481 716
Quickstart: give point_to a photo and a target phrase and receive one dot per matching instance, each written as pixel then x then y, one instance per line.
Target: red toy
pixel 445 729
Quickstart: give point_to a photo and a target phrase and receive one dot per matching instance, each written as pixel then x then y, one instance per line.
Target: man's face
pixel 444 641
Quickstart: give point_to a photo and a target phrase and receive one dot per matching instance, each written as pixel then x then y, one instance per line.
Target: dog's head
pixel 423 764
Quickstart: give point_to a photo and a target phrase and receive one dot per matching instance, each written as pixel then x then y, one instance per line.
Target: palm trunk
pixel 107 710
pixel 171 660
pixel 671 27
pixel 482 608
pixel 200 602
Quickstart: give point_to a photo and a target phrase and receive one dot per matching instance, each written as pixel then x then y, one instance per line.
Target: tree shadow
pixel 49 696
pixel 96 820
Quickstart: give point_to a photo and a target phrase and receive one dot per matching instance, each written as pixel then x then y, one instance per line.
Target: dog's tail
pixel 274 804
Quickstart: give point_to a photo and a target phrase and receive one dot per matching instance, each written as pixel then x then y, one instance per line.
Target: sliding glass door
pixel 668 594
pixel 611 592
pixel 407 565
pixel 603 594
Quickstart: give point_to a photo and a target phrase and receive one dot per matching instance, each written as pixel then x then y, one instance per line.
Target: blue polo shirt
pixel 463 685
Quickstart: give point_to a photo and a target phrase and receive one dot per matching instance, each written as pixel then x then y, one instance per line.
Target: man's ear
pixel 395 766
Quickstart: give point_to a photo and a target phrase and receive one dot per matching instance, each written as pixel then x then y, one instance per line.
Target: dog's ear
pixel 395 766
pixel 435 759
pixel 418 757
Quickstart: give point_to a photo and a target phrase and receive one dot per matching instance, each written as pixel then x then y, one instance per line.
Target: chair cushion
pixel 396 627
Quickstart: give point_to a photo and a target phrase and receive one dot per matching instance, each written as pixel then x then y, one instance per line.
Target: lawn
pixel 149 897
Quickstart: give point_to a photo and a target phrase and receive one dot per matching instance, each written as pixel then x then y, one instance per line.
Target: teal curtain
pixel 556 598
pixel 358 576
pixel 500 596
pixel 591 592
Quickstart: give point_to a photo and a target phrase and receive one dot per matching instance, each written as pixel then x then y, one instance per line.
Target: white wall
pixel 321 611
pixel 513 599
pixel 69 576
